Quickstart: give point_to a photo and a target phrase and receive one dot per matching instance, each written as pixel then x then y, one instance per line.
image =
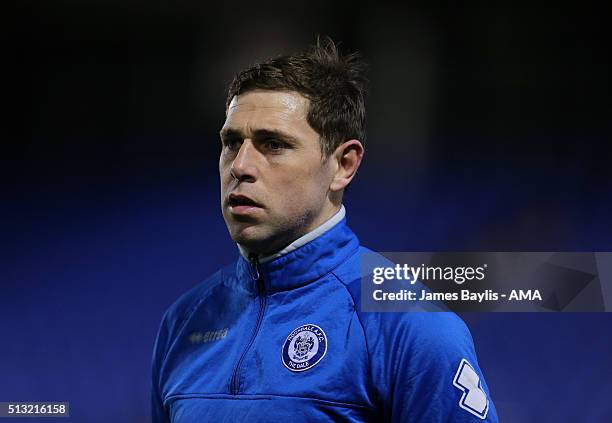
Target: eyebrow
pixel 258 134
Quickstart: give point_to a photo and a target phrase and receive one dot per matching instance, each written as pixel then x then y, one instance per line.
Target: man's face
pixel 274 181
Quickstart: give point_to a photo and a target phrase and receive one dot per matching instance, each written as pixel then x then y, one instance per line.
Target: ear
pixel 348 157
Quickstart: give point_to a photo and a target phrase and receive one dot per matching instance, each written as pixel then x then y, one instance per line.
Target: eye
pixel 274 145
pixel 232 143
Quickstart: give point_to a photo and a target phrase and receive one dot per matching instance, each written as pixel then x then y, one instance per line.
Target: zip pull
pixel 255 274
pixel 254 260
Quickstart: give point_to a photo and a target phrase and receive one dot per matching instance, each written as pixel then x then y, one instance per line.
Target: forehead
pixel 261 109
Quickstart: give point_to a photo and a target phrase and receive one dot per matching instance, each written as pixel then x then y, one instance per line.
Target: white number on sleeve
pixel 474 398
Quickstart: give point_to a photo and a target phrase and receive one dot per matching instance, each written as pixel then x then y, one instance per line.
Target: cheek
pixel 318 179
pixel 221 172
pixel 224 174
pixel 225 163
pixel 303 190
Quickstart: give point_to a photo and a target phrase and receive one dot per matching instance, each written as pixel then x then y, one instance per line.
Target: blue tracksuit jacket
pixel 286 341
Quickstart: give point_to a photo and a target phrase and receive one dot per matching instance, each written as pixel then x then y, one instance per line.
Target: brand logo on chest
pixel 209 336
pixel 304 348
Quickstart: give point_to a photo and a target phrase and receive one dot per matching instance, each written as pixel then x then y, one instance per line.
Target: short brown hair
pixel 335 84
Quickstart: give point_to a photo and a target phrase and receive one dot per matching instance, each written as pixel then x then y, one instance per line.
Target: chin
pixel 250 237
pixel 259 243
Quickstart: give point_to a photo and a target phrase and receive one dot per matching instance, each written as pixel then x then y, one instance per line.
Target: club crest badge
pixel 304 348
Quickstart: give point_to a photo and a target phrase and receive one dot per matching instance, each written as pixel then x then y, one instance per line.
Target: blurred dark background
pixel 488 129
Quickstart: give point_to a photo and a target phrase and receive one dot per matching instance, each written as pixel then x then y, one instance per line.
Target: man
pixel 279 335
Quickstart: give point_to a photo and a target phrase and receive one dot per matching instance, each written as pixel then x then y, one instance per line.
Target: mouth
pixel 241 204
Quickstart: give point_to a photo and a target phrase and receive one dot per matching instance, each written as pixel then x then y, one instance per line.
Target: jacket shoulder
pixel 440 332
pixel 180 310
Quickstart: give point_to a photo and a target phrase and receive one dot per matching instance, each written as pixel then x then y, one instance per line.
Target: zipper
pixel 261 293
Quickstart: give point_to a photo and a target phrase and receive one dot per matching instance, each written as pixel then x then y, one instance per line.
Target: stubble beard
pixel 266 238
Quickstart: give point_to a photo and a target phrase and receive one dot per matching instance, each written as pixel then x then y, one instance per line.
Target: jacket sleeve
pixel 159 414
pixel 426 369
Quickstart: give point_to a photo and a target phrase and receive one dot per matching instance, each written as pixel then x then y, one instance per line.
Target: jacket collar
pixel 304 264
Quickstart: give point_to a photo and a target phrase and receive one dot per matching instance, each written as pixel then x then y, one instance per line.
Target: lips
pixel 239 200
pixel 241 206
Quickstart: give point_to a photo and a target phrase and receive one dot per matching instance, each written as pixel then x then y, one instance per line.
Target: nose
pixel 243 166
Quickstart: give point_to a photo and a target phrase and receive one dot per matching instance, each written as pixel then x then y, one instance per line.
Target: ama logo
pixel 529 295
